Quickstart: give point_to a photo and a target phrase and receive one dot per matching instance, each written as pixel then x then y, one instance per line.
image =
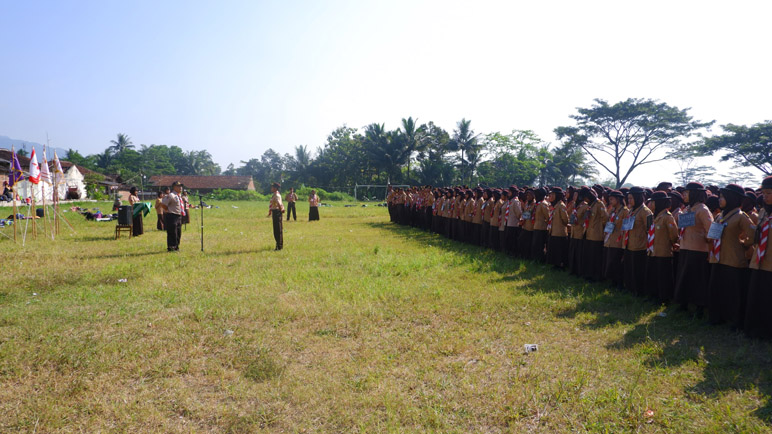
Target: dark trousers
pixel 291 209
pixel 173 225
pixel 278 229
pixel 160 224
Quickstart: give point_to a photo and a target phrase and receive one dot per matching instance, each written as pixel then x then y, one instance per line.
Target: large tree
pixel 413 137
pixel 745 146
pixel 622 137
pixel 466 142
pixel 121 143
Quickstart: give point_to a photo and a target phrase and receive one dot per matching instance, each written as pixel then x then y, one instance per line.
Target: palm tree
pixel 300 162
pixel 413 139
pixel 465 140
pixel 385 149
pixel 123 143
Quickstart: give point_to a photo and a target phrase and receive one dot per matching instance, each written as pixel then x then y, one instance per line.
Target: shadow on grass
pixel 729 360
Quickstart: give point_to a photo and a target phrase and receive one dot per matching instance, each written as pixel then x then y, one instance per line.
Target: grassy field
pixel 358 325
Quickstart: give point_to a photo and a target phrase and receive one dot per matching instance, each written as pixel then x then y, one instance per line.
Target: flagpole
pixel 13 188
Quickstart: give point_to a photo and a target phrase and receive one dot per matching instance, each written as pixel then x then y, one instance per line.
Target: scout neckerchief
pixel 533 213
pixel 717 243
pixel 587 214
pixel 761 250
pixel 549 221
pixel 506 211
pixel 493 207
pixel 650 237
pixel 627 233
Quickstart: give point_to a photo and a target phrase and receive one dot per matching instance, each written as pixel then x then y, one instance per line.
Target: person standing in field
pixel 275 210
pixel 159 210
pixel 173 211
pixel 313 206
pixel 291 199
pixel 136 224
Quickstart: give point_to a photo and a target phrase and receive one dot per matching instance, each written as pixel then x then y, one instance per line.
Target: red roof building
pixel 205 184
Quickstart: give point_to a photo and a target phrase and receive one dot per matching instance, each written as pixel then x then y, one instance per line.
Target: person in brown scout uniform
pixel 576 224
pixel 592 248
pixel 513 221
pixel 731 234
pixel 493 232
pixel 486 210
pixel 691 284
pixel 540 221
pixel 527 220
pixel 613 238
pixel 662 234
pixel 477 217
pixel 471 204
pixel 291 199
pixel 758 321
pixel 159 210
pixel 557 227
pixel 634 240
pixel 173 212
pixel 504 214
pixel 275 210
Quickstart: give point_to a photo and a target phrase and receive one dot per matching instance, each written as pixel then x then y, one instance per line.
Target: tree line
pixel 606 144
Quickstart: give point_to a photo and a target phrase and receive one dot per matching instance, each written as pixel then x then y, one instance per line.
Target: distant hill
pixel 6 142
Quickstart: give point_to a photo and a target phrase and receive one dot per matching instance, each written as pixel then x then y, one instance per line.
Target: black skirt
pixel 659 278
pixel 493 238
pixel 758 321
pixel 575 256
pixel 513 234
pixel 728 289
pixel 136 225
pixel 538 244
pixel 613 265
pixel 160 224
pixel 634 270
pixel 592 260
pixel 557 251
pixel 313 213
pixel 524 243
pixel 485 233
pixel 692 275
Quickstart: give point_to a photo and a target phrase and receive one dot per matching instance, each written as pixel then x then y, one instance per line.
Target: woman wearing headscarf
pixel 661 236
pixel 613 238
pixel 592 248
pixel 731 233
pixel 693 272
pixel 541 219
pixel 513 221
pixel 634 240
pixel 136 221
pixel 526 225
pixel 758 321
pixel 493 232
pixel 575 243
pixel 313 206
pixel 557 227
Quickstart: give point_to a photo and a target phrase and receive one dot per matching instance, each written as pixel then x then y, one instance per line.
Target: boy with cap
pixel 174 209
pixel 275 210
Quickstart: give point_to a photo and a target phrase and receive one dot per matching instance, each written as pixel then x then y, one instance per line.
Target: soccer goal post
pixel 370 193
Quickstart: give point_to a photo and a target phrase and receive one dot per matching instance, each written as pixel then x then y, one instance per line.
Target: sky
pixel 239 77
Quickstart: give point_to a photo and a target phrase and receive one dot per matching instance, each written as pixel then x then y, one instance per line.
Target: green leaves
pixel 745 146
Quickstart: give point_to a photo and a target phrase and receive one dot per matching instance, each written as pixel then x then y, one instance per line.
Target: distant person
pixel 173 212
pixel 186 207
pixel 7 192
pixel 313 206
pixel 136 220
pixel 159 210
pixel 117 203
pixel 275 210
pixel 291 199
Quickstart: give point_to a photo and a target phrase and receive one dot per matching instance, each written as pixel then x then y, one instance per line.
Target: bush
pixel 334 196
pixel 235 195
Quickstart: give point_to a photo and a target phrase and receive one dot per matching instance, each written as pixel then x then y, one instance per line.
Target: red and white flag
pixel 34 169
pixel 45 174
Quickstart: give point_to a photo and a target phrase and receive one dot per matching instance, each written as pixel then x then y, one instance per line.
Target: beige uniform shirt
pixel 276 202
pixel 515 211
pixel 695 237
pixel 665 235
pixel 598 219
pixel 559 220
pixel 639 234
pixel 766 263
pixel 577 228
pixel 615 239
pixel 736 236
pixel 542 216
pixel 173 203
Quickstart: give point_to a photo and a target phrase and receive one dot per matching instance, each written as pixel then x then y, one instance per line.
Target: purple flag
pixel 15 175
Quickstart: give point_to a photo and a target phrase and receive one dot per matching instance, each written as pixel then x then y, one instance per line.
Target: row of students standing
pixel 698 249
